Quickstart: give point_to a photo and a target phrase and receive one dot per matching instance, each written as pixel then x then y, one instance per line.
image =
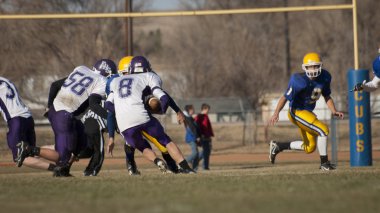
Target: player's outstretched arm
pixel 280 105
pixel 331 106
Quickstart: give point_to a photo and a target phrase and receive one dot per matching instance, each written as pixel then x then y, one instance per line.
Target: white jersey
pixel 78 86
pixel 10 102
pixel 127 96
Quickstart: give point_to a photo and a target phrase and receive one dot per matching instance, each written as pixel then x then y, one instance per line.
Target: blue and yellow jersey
pixel 109 80
pixel 303 93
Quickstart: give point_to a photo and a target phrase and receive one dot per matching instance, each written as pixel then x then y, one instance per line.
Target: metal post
pixel 334 141
pixel 355 32
pixel 128 27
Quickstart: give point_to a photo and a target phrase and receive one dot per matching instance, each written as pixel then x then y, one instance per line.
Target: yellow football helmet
pixel 312 65
pixel 124 64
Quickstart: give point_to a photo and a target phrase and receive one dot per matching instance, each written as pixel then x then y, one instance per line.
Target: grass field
pixel 241 180
pixel 235 187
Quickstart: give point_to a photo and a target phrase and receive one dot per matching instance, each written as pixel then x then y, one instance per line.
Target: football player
pixel 304 89
pixel 375 83
pixel 83 88
pixel 112 126
pixel 132 116
pixel 20 124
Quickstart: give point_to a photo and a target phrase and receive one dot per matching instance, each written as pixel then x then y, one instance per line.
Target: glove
pixel 359 86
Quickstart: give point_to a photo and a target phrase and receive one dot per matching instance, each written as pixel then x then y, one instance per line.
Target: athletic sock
pixel 296 145
pixel 129 153
pixel 324 159
pixel 283 145
pixel 35 151
pixel 172 165
pixel 322 145
pixel 184 165
pixel 51 167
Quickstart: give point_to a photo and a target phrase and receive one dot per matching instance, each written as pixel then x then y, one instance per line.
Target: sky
pixel 165 4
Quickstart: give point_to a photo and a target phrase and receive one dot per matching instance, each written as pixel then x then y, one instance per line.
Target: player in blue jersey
pixel 112 126
pixel 375 83
pixel 303 91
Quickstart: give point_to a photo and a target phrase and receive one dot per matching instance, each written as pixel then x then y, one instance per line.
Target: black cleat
pixel 62 171
pixel 327 166
pixel 89 172
pixel 273 151
pixel 132 169
pixel 186 171
pixel 23 151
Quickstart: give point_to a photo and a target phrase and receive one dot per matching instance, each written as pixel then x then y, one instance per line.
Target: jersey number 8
pixel 125 87
pixel 315 95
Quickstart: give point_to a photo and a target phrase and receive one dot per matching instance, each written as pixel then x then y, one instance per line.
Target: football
pixel 154 105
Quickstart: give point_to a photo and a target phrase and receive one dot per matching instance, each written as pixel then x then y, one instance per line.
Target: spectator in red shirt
pixel 205 127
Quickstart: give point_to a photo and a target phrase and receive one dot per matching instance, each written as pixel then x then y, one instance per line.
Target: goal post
pixel 200 13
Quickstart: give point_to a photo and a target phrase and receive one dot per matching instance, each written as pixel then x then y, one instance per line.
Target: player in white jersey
pixel 132 116
pixel 374 84
pixel 20 123
pixel 82 89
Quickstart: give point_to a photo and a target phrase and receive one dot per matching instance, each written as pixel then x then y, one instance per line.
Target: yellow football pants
pixel 310 128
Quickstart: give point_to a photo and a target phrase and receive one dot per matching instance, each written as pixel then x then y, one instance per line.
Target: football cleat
pixel 327 166
pixel 62 171
pixel 132 169
pixel 162 166
pixel 23 152
pixel 273 151
pixel 90 172
pixel 186 171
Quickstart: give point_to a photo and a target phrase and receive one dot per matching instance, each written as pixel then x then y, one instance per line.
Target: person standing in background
pixel 192 136
pixel 204 124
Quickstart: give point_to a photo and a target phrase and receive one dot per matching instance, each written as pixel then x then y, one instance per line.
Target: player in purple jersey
pixel 82 89
pixel 112 126
pixel 303 91
pixel 132 117
pixel 20 124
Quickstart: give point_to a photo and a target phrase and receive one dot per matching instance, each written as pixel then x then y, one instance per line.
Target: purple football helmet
pixel 105 67
pixel 139 64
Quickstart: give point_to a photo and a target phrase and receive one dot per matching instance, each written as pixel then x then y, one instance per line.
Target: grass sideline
pixel 234 187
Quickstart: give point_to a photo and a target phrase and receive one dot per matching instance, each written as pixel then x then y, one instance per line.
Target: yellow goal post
pixel 352 7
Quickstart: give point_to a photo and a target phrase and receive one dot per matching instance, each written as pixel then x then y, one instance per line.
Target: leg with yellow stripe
pixel 172 165
pixel 314 135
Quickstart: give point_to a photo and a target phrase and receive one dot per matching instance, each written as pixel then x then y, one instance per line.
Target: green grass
pixel 227 188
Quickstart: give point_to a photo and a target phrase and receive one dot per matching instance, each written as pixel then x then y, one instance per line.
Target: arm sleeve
pixel 291 90
pixel 95 105
pixel 326 92
pixel 109 105
pixel 111 124
pixel 54 89
pixel 172 103
pixel 372 85
pixel 164 103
